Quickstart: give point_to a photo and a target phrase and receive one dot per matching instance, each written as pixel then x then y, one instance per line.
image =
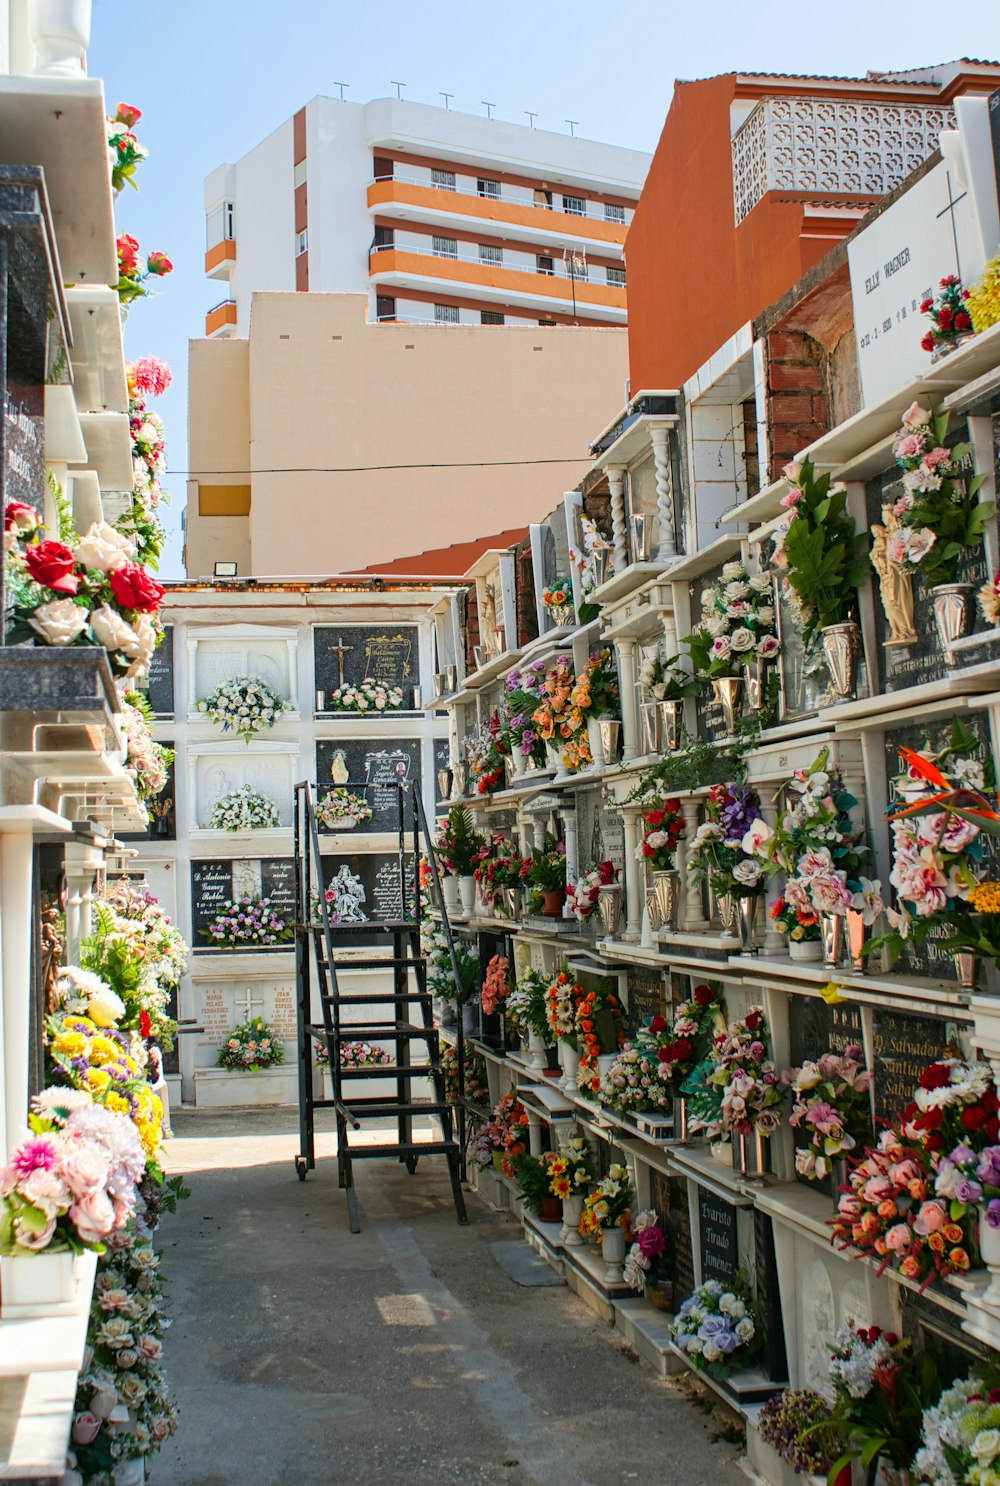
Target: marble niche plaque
pixel 369 890
pixel 905 1046
pixel 217 775
pixel 347 654
pixel 219 881
pixel 220 659
pixel 647 996
pixel 220 1005
pixel 372 768
pixel 717 1236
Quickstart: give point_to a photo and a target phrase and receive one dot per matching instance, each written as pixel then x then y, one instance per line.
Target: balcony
pixel 220 260
pixel 221 319
pixel 833 148
pixel 410 200
pixel 522 289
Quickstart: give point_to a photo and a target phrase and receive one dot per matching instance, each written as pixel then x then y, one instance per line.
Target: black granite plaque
pixel 904 1047
pixel 345 655
pixel 774 1360
pixel 669 1196
pixel 646 995
pixel 939 1333
pixel 277 882
pixel 816 1028
pixel 372 768
pixel 211 888
pixel 368 891
pixel 160 686
pixel 913 665
pixel 719 1247
pixel 162 809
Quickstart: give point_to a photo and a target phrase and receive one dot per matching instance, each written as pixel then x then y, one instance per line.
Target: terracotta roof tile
pixel 446 562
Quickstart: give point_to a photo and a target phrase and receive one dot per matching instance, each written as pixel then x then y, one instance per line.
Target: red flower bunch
pixel 599 1030
pixel 948 313
pixel 680 1048
pixel 51 564
pixel 132 274
pixel 955 1103
pixel 665 827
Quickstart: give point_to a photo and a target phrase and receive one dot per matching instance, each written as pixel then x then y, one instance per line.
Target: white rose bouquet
pixel 715 1327
pixel 737 624
pixel 368 696
pixel 339 810
pixel 244 705
pixel 245 810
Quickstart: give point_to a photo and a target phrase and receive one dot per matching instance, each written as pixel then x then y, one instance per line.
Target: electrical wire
pixel 366 469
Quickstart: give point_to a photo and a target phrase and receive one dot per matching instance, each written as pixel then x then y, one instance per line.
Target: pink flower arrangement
pixel 743 1078
pixel 583 896
pixel 938 510
pixel 832 1107
pixel 73 1181
pixel 496 984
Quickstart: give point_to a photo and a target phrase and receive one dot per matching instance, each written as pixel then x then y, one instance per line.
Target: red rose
pixel 926 305
pixel 658 1024
pixel 945 317
pixel 21 516
pixel 931 1119
pixel 951 279
pixel 681 1050
pixel 927 344
pixel 934 1142
pixel 935 1077
pixel 963 320
pixel 128 253
pixel 159 264
pixel 754 1020
pixel 145 1022
pixel 974 1118
pixel 655 817
pixel 128 115
pixel 704 995
pixel 51 564
pixel 134 588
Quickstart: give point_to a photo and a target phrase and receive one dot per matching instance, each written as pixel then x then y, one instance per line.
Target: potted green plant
pixel 547 877
pixel 458 844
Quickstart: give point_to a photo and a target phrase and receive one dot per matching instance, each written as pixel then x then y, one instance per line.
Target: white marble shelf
pixel 632 577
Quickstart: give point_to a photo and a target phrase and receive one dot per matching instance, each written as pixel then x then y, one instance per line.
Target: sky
pixel 212 80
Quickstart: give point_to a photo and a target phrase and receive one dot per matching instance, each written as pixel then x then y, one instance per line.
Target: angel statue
pixel 894 580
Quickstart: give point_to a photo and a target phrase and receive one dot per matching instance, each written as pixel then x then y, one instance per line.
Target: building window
pixel 490 317
pixel 444 247
pixel 613 213
pixel 486 187
pixel 490 254
pixel 301 243
pixel 382 167
pixel 446 314
pixel 444 179
pixel 616 276
pixel 228 220
pixel 299 176
pixel 575 205
pixel 385 307
pixel 385 237
pixel 543 198
pixel 545 263
pixel 546 322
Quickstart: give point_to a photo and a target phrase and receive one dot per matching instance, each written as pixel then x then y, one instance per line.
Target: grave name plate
pixel 215 883
pixel 816 1028
pixel 717 1231
pixel 160 686
pixel 773 1356
pixel 670 1199
pixel 277 882
pixel 372 768
pixel 344 655
pixel 367 891
pixel 904 1047
pixel 647 996
pixel 211 887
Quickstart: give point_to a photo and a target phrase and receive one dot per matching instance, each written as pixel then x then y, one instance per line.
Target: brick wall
pixel 798 409
pixel 524 584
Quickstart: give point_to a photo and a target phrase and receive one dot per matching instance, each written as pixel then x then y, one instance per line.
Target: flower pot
pixel 60 34
pixel 649 724
pixel 842 652
pixel 641 534
pixel 536 1051
pixel 36 1284
pixel 671 719
pixel 967 968
pixel 605 1063
pixel 511 900
pixel 572 1212
pixel 728 693
pixel 746 909
pixel 449 893
pixel 610 899
pixel 498 1160
pixel 470 1019
pixel 989 1247
pixel 831 927
pixel 721 1152
pixel 520 762
pixel 467 893
pixel 613 1254
pixel 569 1059
pixel 751 1154
pixel 552 1210
pixel 601 561
pixel 728 913
pixel 806 950
pixel 610 730
pixel 856 939
pixel 665 899
pixel 952 612
pixel 130 1472
pixel 552 902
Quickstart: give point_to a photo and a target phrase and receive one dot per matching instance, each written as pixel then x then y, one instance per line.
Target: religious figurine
pixel 488 627
pixel 246 879
pixel 339 771
pixel 348 895
pixel 895 582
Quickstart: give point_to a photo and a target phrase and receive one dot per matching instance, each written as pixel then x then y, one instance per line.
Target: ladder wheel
pixel 301 1167
pixel 411 1164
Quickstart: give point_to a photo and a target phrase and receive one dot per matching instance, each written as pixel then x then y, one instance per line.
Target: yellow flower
pixel 985 897
pixel 114 1101
pixel 96 1079
pixel 79 1024
pixel 71 1043
pixel 103 1050
pixel 558 1166
pixel 560 1186
pixel 983 302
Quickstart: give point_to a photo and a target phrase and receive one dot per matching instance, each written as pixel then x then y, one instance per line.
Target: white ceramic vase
pixel 572 1213
pixel 449 893
pixel 467 894
pixel 569 1058
pixel 613 1254
pixel 60 34
pixel 36 1284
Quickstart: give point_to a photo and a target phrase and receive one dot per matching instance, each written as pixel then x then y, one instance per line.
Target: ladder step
pixel 379 998
pixel 396 962
pixel 373 1031
pixel 429 1148
pixel 372 1108
pixel 392 1070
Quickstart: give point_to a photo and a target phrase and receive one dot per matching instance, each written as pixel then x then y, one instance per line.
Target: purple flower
pixel 968 1191
pixel 993 1212
pixel 988 1169
pixel 714 1327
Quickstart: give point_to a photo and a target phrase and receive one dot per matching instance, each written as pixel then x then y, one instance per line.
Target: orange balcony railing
pixel 385 194
pixel 513 284
pixel 221 318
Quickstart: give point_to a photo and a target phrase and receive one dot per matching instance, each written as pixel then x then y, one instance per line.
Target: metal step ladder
pixel 400 1017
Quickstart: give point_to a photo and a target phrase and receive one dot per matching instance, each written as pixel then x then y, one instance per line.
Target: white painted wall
pixel 339 168
pixel 265 222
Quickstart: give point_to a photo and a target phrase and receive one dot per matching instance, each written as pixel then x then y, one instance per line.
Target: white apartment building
pixel 439 216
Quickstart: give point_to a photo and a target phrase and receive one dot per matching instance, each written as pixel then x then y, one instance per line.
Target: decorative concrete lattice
pixel 819 146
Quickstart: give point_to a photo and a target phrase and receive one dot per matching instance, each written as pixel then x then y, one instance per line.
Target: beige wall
pixel 326 389
pixel 218 441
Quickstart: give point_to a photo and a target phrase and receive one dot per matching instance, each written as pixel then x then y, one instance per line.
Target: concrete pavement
pixel 303 1355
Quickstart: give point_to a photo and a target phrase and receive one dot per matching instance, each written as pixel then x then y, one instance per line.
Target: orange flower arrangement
pixel 589 1008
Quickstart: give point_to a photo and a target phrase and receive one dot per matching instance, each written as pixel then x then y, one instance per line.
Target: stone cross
pixel 250 1002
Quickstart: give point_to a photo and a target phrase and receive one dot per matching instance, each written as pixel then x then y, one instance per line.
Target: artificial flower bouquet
pixel 989 601
pixel 822 557
pixel 250 1046
pixel 498 865
pixel 881 1387
pixel 949 314
pixel 248 923
pixel 368 696
pixel 665 828
pixel 737 1090
pixel 135 272
pixel 244 705
pixel 558 599
pixel 737 624
pixel 354 1055
pixel 557 720
pixel 600 1029
pixel 458 843
pixel 831 1107
pixel 526 1006
pixel 680 1047
pixel 80 591
pixel 562 997
pixel 595 691
pixel 485 752
pixel 496 985
pixel 939 515
pixel 665 680
pixel 72 1182
pixel 798 1423
pixel 476 1081
pixel 245 809
pixel 108 1065
pixel 586 561
pixel 938 810
pixel 147 761
pixel 137 951
pixel 648 1261
pixel 609 1205
pixel 727 847
pixel 522 694
pixel 716 1329
pixel 504 1133
pixel 545 872
pixel 340 810
pixel 584 895
pixel 637 1083
pixel 570 1172
pixel 124 149
pixel 960 1434
pixel 140 522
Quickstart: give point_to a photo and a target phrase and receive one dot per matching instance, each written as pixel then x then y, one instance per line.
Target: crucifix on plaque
pixel 340 650
pixel 250 1002
pixel 950 208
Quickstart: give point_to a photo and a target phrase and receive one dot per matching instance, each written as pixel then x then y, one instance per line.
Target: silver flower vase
pixel 609 905
pixel 671 715
pixel 665 899
pixel 842 653
pixel 649 720
pixel 856 939
pixel 746 909
pixel 831 927
pixel 952 613
pixel 729 693
pixel 752 1154
pixel 726 903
